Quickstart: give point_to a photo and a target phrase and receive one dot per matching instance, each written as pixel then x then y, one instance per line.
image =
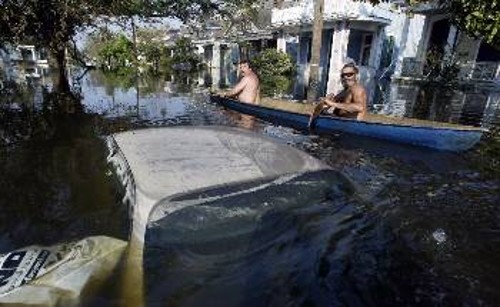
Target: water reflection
pixel 55 184
pixel 476 106
pixel 469 107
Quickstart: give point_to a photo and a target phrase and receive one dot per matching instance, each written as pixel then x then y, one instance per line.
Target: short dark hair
pixel 246 61
pixel 351 65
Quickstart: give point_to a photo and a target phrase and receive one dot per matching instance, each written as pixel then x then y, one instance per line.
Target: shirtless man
pixel 350 102
pixel 248 88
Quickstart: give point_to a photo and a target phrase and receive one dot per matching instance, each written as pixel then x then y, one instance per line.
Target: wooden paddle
pixel 322 105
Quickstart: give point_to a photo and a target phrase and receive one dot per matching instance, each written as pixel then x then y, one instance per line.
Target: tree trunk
pixel 59 75
pixel 312 89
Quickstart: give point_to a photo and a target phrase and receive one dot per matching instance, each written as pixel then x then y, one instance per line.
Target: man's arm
pixel 237 88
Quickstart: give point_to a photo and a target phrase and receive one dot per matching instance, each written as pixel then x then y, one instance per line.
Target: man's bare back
pixel 250 89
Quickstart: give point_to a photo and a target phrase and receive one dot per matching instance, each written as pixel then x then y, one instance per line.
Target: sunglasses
pixel 347 74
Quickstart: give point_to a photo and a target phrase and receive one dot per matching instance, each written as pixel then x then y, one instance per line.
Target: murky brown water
pixel 422 228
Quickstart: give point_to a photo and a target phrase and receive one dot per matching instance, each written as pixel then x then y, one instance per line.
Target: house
pixel 221 43
pixel 24 61
pixel 388 42
pixel 478 70
pixel 221 54
pixel 30 54
pixel 376 38
pixel 479 62
pixel 385 41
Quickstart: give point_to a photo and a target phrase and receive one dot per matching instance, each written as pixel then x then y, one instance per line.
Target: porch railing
pixel 469 71
pixel 480 71
pixel 411 68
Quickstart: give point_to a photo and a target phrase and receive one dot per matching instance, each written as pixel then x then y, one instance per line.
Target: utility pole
pixel 312 89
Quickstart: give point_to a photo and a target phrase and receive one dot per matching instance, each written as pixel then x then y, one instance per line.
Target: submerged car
pixel 208 191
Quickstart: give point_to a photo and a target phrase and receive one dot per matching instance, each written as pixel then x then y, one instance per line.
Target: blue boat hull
pixel 440 138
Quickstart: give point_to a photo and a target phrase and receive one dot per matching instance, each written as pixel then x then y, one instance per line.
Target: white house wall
pixel 303 11
pixel 407 32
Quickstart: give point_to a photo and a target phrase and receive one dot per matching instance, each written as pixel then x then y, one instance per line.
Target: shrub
pixel 276 71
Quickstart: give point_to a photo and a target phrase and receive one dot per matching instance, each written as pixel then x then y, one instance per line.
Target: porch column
pixel 33 54
pixel 281 42
pixel 467 49
pixel 369 78
pixel 215 65
pixel 201 50
pixel 201 54
pixel 338 55
pixel 424 40
pixel 225 64
pixel 235 58
pixel 450 41
pixel 399 52
pixel 299 87
pixel 376 52
pixel 7 67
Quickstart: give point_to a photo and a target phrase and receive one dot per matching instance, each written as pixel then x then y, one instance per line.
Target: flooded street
pixel 420 228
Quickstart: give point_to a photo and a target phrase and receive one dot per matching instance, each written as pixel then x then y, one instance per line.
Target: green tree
pixel 117 53
pixel 151 46
pixel 96 41
pixel 275 70
pixel 52 24
pixel 184 61
pixel 480 18
pixel 236 18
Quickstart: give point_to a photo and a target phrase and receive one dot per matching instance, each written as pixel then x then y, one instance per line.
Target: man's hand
pixel 317 111
pixel 222 94
pixel 327 102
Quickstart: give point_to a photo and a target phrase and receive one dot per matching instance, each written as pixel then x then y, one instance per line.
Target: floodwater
pixel 414 227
